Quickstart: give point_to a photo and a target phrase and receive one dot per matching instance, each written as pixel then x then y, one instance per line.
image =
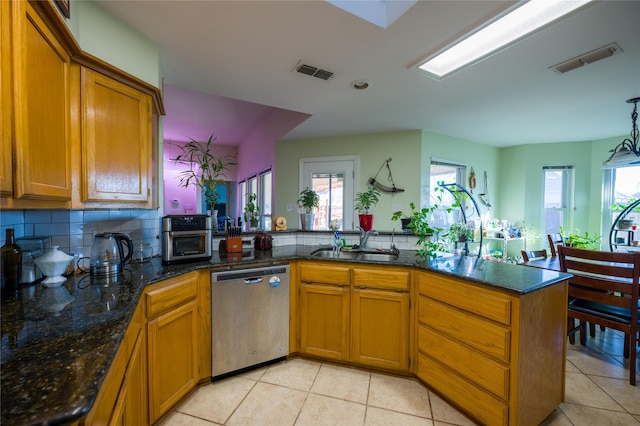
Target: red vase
pixel 366 221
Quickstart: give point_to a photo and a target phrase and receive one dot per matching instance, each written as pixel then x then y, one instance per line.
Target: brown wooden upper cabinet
pixel 75 131
pixel 41 106
pixel 116 140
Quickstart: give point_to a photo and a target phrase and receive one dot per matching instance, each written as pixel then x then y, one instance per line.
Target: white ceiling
pixel 247 50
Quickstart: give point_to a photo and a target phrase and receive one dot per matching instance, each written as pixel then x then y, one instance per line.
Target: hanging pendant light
pixel 628 151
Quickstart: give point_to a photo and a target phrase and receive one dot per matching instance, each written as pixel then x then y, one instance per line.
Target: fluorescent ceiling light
pixel 516 24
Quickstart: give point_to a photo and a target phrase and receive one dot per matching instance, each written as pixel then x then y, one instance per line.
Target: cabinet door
pixel 116 140
pixel 136 400
pixel 324 321
pixel 41 71
pixel 172 357
pixel 380 328
pixel 6 100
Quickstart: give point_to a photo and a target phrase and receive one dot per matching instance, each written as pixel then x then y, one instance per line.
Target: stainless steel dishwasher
pixel 249 317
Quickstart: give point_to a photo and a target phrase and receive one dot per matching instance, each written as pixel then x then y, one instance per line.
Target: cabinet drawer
pixel 173 292
pixel 487 373
pixel 481 405
pixel 485 336
pixel 323 272
pixel 491 305
pixel 381 278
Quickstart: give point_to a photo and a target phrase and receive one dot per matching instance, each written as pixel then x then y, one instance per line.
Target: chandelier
pixel 628 151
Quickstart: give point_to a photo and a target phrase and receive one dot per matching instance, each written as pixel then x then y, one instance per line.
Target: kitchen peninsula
pixel 57 354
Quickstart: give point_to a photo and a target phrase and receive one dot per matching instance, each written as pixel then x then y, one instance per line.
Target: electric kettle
pixel 107 254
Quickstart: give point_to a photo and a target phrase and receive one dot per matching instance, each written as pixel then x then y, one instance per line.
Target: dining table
pixel 551 263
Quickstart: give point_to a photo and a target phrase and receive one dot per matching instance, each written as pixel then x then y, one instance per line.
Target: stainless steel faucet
pixel 364 236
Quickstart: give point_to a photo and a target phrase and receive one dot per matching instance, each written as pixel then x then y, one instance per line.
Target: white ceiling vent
pixel 587 58
pixel 313 71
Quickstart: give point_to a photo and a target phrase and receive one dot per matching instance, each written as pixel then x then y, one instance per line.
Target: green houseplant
pixel 460 232
pixel 585 242
pixel 252 212
pixel 205 169
pixel 430 239
pixel 364 201
pixel 307 201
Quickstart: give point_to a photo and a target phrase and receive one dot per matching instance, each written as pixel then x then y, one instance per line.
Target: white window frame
pixel 348 164
pixel 568 195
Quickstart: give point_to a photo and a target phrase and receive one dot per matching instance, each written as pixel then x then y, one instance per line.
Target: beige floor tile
pixel 597 364
pixel 295 373
pixel 319 410
pixel 254 374
pixel 582 391
pixel 622 392
pixel 557 418
pixel 443 411
pixel 379 417
pixel 179 419
pixel 587 416
pixel 399 394
pixel 570 367
pixel 216 401
pixel 342 382
pixel 269 405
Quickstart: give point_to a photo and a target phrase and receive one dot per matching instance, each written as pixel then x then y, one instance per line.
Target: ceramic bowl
pixel 53 264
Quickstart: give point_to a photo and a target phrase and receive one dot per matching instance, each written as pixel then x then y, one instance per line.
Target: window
pixel 265 193
pixel 558 198
pixel 447 172
pixel 621 186
pixel 261 185
pixel 333 179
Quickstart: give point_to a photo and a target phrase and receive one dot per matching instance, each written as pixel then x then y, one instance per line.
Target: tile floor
pixel 303 392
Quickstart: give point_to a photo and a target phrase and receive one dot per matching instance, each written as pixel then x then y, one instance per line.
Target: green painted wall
pixel 481 157
pixel 522 184
pixel 101 34
pixel 373 150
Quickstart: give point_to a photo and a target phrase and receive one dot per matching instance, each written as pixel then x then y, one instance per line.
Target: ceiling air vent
pixel 587 58
pixel 313 71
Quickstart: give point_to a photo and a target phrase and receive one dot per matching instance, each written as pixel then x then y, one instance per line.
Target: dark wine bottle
pixel 11 265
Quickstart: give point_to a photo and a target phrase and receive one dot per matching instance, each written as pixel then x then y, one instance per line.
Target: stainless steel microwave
pixel 186 238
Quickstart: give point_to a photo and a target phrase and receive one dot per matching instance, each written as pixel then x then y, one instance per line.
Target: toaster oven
pixel 186 238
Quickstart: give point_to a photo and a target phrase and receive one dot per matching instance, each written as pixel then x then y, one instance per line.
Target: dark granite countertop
pixel 58 343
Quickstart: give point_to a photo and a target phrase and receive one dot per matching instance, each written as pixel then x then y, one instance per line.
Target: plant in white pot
pixel 307 201
pixel 205 169
pixel 364 201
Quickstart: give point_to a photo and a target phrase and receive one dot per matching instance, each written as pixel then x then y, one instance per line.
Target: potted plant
pixel 404 219
pixel 205 169
pixel 364 201
pixel 585 242
pixel 307 201
pixel 460 232
pixel 430 239
pixel 252 212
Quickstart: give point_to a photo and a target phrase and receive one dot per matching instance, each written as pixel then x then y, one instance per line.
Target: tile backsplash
pixel 73 230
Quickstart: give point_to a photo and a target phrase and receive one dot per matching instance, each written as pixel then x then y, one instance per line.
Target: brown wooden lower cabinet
pixel 497 356
pixel 355 312
pixel 161 357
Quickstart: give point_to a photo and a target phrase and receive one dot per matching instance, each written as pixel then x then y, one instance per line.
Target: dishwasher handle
pixel 253 280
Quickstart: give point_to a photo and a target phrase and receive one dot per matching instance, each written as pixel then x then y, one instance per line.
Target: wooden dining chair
pixel 554 241
pixel 604 291
pixel 533 254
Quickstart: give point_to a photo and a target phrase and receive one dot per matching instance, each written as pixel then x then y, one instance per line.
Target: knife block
pixel 234 244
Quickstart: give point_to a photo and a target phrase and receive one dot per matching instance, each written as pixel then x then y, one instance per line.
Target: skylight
pixel 497 34
pixel 378 12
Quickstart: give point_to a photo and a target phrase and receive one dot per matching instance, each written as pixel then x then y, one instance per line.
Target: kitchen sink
pixel 330 254
pixel 374 256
